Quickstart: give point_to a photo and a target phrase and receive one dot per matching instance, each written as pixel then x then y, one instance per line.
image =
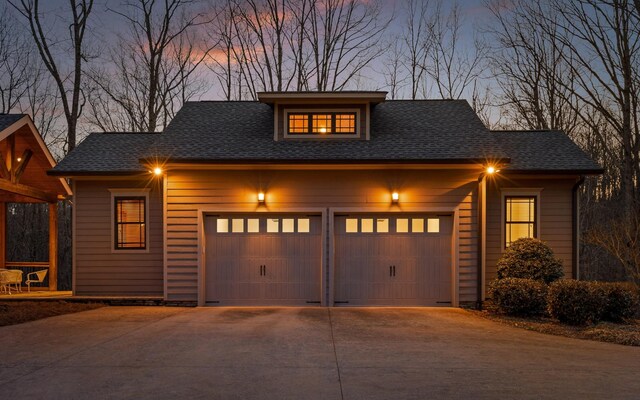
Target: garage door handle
pixel 390 270
pixel 394 270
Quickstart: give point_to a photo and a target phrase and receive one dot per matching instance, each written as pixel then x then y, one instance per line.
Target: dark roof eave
pixel 95 173
pixel 503 160
pixel 592 171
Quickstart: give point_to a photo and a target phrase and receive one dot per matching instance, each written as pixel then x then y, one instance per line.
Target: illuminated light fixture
pixel 323 130
pixel 157 171
pixel 19 159
pixel 261 197
pixel 395 197
pixel 491 170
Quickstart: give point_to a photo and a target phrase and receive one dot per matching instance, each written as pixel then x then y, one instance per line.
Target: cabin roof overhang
pixel 25 160
pixel 371 97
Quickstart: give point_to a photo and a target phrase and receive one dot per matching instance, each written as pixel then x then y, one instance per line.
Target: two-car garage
pixel 367 260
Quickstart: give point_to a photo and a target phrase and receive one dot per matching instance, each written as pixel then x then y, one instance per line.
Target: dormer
pixel 321 115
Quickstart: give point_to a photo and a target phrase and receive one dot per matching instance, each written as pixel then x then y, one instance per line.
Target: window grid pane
pixel 322 123
pixel 130 231
pixel 520 218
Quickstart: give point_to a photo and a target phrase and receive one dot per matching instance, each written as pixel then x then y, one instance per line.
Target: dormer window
pixel 321 123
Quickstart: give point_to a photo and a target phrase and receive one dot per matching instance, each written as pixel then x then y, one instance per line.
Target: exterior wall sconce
pixel 157 171
pixel 395 197
pixel 261 197
pixel 491 170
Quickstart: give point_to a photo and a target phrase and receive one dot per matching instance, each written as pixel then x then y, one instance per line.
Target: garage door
pixel 393 260
pixel 263 260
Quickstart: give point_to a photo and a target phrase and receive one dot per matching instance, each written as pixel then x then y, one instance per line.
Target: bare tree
pixel 69 84
pixel 452 67
pixel 152 70
pixel 342 35
pixel 16 63
pixel 392 73
pixel 418 42
pixel 535 82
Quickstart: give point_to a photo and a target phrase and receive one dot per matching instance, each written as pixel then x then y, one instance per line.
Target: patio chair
pixel 4 281
pixel 15 278
pixel 36 277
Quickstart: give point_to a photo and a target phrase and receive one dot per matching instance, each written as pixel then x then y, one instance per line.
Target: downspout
pixel 480 255
pixel 575 228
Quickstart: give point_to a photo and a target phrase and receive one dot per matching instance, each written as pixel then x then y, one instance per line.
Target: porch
pixel 24 162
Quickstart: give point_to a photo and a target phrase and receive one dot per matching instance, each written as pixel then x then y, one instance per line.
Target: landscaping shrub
pixel 622 301
pixel 576 302
pixel 517 296
pixel 529 258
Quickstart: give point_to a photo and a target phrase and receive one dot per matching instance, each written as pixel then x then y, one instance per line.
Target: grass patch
pixel 17 312
pixel 624 333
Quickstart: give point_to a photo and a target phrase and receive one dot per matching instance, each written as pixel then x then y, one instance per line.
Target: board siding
pixel 555 226
pixel 100 271
pixel 190 191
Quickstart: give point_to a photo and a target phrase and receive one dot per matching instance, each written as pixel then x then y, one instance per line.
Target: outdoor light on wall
pixel 157 171
pixel 395 197
pixel 261 197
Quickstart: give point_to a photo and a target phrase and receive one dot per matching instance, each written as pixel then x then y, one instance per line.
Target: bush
pixel 576 302
pixel 517 296
pixel 529 259
pixel 623 301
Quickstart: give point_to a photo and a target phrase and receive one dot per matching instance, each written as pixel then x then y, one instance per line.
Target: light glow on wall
pixel 395 197
pixel 261 197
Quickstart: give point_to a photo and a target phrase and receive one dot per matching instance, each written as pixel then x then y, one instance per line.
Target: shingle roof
pixel 544 151
pixel 437 131
pixel 107 153
pixel 6 120
pixel 400 131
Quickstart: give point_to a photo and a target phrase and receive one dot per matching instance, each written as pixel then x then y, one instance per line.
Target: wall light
pixel 395 197
pixel 157 171
pixel 491 170
pixel 19 159
pixel 261 197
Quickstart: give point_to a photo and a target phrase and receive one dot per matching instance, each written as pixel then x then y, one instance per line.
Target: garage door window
pixel 402 225
pixel 382 225
pixel 288 225
pixel 417 225
pixel 433 225
pixel 303 225
pixel 253 225
pixel 222 225
pixel 237 225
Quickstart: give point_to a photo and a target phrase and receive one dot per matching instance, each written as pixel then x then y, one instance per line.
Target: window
pixel 222 225
pixel 351 225
pixel 237 225
pixel 130 223
pixel 321 123
pixel 273 225
pixel 303 225
pixel 366 225
pixel 417 225
pixel 402 225
pixel 253 225
pixel 287 225
pixel 433 225
pixel 382 225
pixel 520 218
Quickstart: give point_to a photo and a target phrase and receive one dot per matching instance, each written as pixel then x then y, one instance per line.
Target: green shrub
pixel 517 296
pixel 530 259
pixel 576 302
pixel 622 301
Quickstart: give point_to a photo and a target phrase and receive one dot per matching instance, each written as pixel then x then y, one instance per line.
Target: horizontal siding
pixel 188 191
pixel 555 226
pixel 99 271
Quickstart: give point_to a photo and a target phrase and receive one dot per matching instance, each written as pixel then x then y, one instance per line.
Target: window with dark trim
pixel 321 123
pixel 520 218
pixel 130 223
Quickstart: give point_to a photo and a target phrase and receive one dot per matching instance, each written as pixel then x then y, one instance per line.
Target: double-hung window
pixel 520 218
pixel 130 230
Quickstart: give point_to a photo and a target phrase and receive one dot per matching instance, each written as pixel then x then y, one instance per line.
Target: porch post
pixel 3 233
pixel 53 246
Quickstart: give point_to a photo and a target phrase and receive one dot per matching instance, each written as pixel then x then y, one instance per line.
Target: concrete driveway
pixel 302 353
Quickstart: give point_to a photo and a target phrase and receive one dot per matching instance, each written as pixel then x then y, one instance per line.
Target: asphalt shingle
pixel 6 120
pixel 446 131
pixel 542 151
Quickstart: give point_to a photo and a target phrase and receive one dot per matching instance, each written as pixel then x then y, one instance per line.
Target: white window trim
pixel 129 193
pixel 508 192
pixel 288 111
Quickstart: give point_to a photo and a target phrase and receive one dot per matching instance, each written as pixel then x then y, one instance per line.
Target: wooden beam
pixel 22 164
pixel 28 191
pixel 11 157
pixel 53 246
pixel 3 234
pixel 4 172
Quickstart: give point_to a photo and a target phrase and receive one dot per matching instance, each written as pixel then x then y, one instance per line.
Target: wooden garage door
pixel 393 260
pixel 263 260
